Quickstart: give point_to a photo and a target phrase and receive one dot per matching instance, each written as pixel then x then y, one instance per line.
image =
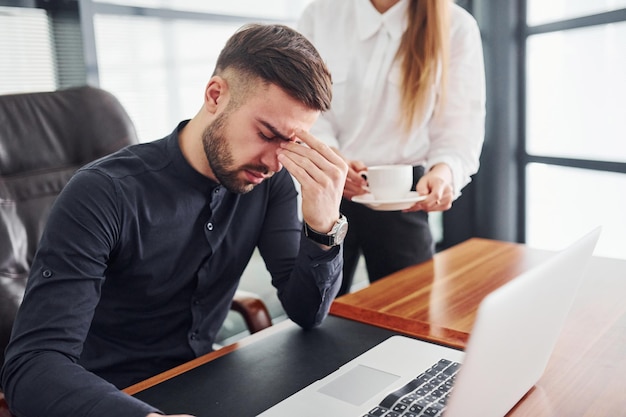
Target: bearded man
pixel 144 249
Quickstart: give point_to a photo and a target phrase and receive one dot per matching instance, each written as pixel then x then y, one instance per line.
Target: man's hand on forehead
pixel 321 173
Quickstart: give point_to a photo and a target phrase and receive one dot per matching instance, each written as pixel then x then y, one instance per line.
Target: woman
pixel 408 88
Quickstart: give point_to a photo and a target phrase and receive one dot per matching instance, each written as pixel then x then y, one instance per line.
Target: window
pixel 541 11
pixel 575 93
pixel 156 68
pixel 156 56
pixel 27 63
pixel 575 158
pixel 255 9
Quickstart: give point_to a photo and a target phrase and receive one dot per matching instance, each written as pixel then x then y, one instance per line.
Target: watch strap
pixel 315 236
pixel 333 238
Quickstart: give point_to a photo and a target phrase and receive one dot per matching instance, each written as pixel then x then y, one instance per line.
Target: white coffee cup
pixel 389 182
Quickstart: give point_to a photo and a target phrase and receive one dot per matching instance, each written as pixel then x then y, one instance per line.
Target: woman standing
pixel 408 88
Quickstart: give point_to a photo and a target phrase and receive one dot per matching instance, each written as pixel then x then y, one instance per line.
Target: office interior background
pixel 554 159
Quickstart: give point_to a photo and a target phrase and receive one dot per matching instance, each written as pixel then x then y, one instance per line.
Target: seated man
pixel 144 249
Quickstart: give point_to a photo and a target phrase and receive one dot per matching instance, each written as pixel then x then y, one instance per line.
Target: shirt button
pixel 217 190
pixel 46 273
pixel 209 226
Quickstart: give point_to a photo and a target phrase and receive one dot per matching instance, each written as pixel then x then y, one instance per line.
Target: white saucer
pixel 368 200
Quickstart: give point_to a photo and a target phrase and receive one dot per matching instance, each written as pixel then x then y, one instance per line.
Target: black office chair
pixel 44 138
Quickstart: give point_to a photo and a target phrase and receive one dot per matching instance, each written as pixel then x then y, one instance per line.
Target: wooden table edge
pixel 419 329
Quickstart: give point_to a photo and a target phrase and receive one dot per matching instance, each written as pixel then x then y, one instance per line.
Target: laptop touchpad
pixel 358 384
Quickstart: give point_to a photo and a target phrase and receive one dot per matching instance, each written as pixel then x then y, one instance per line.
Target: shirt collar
pixel 369 20
pixel 182 167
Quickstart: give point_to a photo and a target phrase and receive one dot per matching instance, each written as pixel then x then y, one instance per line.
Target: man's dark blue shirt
pixel 135 274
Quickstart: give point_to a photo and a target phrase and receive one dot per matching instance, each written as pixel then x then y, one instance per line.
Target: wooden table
pixel 437 300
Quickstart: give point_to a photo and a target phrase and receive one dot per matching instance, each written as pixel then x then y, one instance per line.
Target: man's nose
pixel 270 159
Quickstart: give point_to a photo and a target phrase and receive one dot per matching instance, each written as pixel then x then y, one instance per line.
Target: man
pixel 144 249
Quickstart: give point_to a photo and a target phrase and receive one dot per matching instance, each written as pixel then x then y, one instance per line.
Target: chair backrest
pixel 44 138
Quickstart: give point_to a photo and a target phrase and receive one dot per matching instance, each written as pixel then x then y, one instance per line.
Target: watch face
pixel 342 231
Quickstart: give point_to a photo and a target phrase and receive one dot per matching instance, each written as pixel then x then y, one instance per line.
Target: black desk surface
pixel 252 378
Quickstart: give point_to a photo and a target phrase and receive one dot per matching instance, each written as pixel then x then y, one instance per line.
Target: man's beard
pixel 220 158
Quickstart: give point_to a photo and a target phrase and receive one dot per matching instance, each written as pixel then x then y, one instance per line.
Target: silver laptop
pixel 513 336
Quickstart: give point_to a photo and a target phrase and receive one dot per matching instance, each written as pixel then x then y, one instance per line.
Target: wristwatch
pixel 332 238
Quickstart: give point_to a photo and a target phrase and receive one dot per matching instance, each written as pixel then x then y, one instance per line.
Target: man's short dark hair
pixel 279 55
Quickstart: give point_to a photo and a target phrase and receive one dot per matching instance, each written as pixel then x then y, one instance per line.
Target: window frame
pixel 523 157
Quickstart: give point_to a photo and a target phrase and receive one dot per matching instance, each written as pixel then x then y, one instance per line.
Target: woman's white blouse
pixel 359 46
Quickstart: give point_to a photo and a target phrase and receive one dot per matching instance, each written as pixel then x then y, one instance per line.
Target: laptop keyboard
pixel 425 395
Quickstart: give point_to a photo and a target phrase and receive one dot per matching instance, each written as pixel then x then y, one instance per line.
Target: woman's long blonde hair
pixel 423 51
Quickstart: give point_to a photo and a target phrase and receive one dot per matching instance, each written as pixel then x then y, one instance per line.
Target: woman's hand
pixel 436 185
pixel 356 184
